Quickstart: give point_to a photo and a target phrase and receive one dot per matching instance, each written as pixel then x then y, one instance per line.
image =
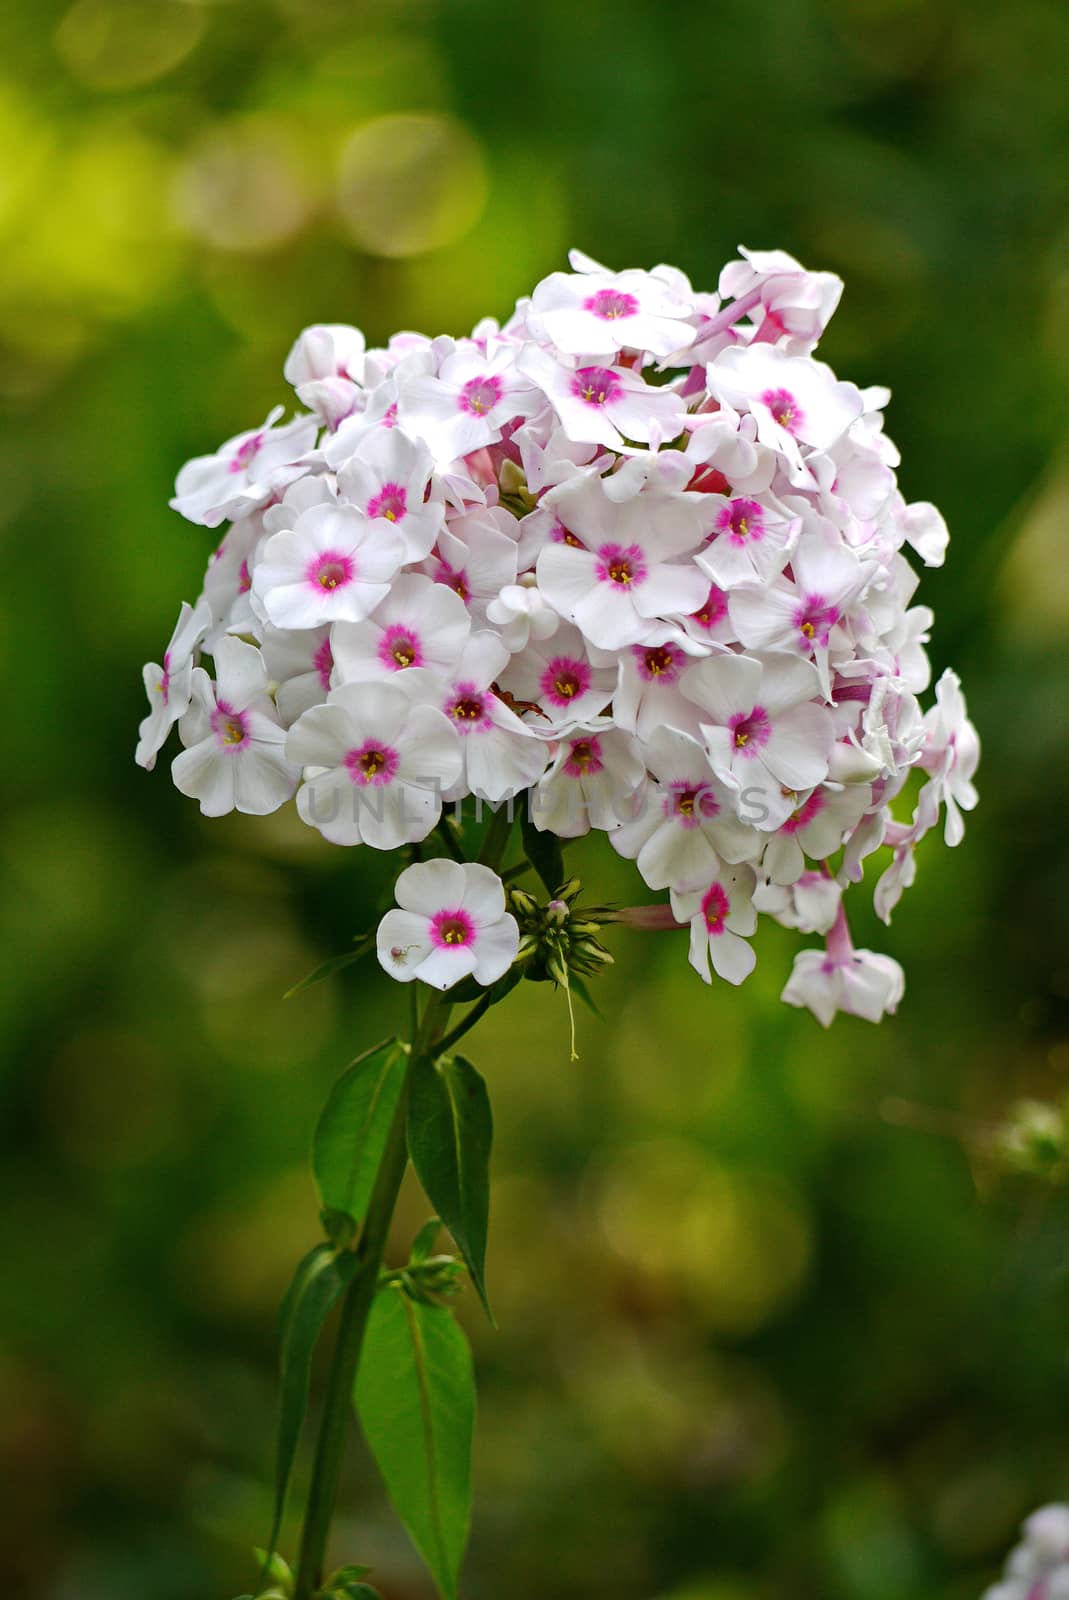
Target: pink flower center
pixel 657 663
pixel 750 730
pixel 391 502
pixel 805 813
pixel 323 662
pixel 623 565
pixel 452 928
pixel 715 908
pixel 245 454
pixel 399 648
pixel 690 803
pixel 457 581
pixel 230 728
pixel 741 520
pixel 479 396
pixel 372 765
pixel 597 386
pixel 584 759
pixel 714 610
pixel 784 408
pixel 164 685
pixel 611 304
pixel 562 535
pixel 564 678
pixel 330 571
pixel 814 620
pixel 467 708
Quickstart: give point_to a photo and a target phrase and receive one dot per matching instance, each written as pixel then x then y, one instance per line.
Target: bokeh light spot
pixel 121 44
pixel 411 183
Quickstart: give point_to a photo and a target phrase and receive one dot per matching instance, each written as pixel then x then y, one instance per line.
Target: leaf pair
pixel 415 1389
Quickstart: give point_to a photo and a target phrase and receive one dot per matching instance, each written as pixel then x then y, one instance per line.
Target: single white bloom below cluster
pixel 637 557
pixel 1038 1569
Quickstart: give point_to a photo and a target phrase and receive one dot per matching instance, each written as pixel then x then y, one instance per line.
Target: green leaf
pixel 415 1397
pixel 351 1134
pixel 543 851
pixel 450 1130
pixel 333 964
pixel 317 1284
pixel 424 1242
pixel 347 1584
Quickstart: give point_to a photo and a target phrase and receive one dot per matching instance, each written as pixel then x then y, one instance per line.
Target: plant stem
pixel 334 1427
pixel 496 837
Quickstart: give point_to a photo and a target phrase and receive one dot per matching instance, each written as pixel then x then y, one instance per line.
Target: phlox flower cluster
pixel 1038 1569
pixel 637 557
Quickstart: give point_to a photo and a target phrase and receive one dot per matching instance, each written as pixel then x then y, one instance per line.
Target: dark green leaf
pixel 450 1129
pixel 318 1282
pixel 415 1397
pixel 351 1134
pixel 543 851
pixel 333 964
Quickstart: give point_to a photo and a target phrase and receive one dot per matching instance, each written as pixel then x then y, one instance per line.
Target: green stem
pixel 496 837
pixel 334 1427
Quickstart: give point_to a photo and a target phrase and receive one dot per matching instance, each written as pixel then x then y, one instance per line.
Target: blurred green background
pixel 773 1323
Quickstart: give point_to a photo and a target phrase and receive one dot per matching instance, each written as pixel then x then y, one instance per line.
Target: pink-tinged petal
pixel 320 738
pixel 429 885
pixel 446 965
pixel 430 750
pixel 785 681
pixel 723 685
pixel 670 589
pixel 677 858
pixel 403 943
pixel 732 957
pixel 204 773
pixel 495 950
pixel 263 780
pixel 484 895
pixel 799 748
pixel 566 576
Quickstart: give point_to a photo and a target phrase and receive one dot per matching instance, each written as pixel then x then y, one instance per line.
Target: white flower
pixel 795 400
pixel 300 662
pixel 169 687
pixel 468 402
pixel 765 735
pixel 388 478
pixel 598 313
pixel 721 919
pixel 687 824
pixel 501 754
pixel 451 924
pixel 1038 1568
pixel 332 565
pixel 623 574
pixel 595 773
pixel 235 744
pixel 635 556
pixel 376 761
pixel 603 404
pixel 245 471
pixel 419 624
pixel 565 678
pixel 477 557
pixel 861 983
pixel 325 367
